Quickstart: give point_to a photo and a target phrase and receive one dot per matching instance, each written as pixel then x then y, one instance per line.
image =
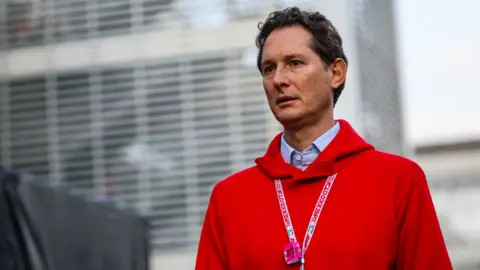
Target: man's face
pixel 296 82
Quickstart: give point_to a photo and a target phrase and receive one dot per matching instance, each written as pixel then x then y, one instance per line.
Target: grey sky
pixel 439 48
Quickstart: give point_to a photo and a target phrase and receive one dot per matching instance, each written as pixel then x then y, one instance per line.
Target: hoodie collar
pixel 320 143
pixel 343 148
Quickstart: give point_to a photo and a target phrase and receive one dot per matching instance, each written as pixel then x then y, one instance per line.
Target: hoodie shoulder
pixel 396 164
pixel 243 178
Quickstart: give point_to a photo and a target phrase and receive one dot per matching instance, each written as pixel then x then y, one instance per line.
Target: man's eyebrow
pixel 267 62
pixel 291 56
pixel 286 57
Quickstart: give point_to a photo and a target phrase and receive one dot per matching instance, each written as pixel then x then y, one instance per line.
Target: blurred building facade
pixel 453 172
pixel 152 102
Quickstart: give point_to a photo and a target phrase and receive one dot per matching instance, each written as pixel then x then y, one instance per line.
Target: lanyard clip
pixel 293 252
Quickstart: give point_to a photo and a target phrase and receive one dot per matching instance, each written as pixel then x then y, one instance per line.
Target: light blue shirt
pixel 304 159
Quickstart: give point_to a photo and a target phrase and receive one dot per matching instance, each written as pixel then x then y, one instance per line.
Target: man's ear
pixel 339 73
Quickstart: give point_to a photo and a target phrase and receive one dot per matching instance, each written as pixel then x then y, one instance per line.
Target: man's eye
pixel 295 63
pixel 268 69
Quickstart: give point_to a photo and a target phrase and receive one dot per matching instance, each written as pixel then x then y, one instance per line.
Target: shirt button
pixel 298 157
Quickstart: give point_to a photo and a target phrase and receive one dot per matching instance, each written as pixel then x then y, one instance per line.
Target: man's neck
pixel 301 138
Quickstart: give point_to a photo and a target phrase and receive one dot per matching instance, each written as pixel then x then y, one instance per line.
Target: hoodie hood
pixel 341 151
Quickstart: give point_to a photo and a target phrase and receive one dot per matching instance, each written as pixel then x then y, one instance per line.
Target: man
pixel 321 197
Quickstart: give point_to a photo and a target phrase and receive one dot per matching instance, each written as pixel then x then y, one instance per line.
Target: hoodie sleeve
pixel 211 252
pixel 421 243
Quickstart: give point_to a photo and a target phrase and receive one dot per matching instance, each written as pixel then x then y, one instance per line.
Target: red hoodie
pixel 378 215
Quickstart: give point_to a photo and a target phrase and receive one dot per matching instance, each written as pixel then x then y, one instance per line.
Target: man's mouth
pixel 285 99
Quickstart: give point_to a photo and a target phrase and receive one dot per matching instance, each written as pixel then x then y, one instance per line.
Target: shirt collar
pixel 320 143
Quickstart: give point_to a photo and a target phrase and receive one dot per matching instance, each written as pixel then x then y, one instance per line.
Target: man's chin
pixel 288 119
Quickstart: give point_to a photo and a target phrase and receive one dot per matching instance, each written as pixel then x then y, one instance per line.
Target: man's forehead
pixel 289 37
pixel 287 42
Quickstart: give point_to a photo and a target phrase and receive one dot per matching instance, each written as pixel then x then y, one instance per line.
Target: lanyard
pixel 313 220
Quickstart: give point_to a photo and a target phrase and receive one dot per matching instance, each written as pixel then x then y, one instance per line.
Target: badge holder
pixel 292 252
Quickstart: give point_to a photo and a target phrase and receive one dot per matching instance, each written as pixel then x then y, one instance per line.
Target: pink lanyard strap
pixel 315 215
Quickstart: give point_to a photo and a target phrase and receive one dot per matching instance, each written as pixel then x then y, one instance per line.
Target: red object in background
pixel 20 29
pixel 379 214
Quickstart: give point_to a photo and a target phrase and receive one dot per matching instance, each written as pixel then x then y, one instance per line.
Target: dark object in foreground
pixel 47 228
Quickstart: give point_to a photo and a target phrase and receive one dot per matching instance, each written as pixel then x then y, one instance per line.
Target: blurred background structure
pixel 151 102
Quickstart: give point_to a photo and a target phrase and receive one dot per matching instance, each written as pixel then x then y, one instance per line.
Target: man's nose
pixel 280 78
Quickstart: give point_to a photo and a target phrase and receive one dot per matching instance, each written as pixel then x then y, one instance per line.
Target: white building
pixel 453 172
